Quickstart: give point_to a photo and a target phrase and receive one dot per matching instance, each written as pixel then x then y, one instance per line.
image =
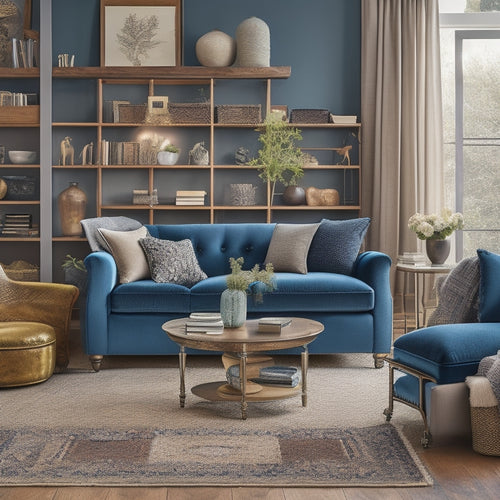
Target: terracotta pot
pixel 72 203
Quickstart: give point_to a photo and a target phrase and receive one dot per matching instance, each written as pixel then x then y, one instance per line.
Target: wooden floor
pixel 458 473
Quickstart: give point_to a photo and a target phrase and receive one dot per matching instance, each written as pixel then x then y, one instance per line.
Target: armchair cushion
pixel 489 288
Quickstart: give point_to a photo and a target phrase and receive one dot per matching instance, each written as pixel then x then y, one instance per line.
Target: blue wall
pixel 319 39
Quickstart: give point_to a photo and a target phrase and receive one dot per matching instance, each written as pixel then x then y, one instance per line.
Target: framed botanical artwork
pixel 141 33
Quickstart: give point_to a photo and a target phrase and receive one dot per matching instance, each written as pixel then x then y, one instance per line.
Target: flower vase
pixel 437 251
pixel 72 203
pixel 233 308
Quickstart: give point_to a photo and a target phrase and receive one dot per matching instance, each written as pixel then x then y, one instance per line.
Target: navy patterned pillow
pixel 336 245
pixel 172 261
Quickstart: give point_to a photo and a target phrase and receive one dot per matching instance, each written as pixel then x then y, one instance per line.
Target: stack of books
pixel 19 225
pixel 190 197
pixel 273 325
pixel 119 153
pixel 209 323
pixel 282 376
pixel 412 259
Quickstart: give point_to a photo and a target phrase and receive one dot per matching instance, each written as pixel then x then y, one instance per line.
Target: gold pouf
pixel 27 353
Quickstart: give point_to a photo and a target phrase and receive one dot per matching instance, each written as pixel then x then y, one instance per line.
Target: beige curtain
pixel 402 138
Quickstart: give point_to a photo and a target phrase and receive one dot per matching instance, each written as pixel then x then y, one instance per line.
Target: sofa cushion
pixel 294 292
pixel 94 238
pixel 147 296
pixel 289 247
pixel 172 261
pixel 336 245
pixel 458 295
pixel 127 252
pixel 489 286
pixel 448 352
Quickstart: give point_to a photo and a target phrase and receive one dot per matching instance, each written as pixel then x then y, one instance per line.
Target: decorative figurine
pixel 344 152
pixel 241 157
pixel 87 154
pixel 199 155
pixel 67 152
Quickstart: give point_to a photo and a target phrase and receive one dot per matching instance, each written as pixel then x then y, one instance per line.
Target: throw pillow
pixel 172 261
pixel 289 246
pixel 489 288
pixel 91 227
pixel 127 252
pixel 336 245
pixel 458 295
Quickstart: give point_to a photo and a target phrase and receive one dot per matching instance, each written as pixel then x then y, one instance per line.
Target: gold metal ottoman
pixel 27 353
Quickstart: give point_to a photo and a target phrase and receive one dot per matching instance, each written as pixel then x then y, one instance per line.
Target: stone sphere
pixel 216 49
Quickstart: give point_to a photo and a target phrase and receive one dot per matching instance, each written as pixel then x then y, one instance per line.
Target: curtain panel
pixel 401 112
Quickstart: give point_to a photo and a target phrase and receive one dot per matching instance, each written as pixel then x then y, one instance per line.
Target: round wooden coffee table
pixel 241 342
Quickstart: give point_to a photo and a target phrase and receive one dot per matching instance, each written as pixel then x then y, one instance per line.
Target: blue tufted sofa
pixel 126 319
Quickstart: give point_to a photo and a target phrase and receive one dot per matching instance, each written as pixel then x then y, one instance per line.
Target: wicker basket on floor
pixel 20 270
pixel 485 416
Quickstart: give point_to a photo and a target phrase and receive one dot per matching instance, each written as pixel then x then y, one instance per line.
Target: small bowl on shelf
pixel 22 157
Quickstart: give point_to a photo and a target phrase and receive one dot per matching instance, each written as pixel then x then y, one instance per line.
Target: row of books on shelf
pixel 20 225
pixel 8 98
pixel 120 153
pixel 194 197
pixel 25 53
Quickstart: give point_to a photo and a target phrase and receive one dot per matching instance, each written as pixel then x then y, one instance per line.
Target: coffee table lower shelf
pixel 210 391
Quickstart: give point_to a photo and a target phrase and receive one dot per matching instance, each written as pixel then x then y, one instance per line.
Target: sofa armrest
pixel 373 268
pixel 102 277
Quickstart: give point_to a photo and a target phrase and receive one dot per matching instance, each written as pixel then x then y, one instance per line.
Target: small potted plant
pixel 75 273
pixel 279 159
pixel 168 155
pixel 240 283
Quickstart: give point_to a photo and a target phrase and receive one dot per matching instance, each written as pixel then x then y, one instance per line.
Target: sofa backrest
pixel 214 244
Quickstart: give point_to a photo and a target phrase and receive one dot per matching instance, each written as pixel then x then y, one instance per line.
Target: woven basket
pixel 20 270
pixel 238 113
pixel 189 112
pixel 131 113
pixel 309 116
pixel 485 424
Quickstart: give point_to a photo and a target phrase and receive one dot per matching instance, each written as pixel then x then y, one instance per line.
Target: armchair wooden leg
pixel 379 359
pixel 96 361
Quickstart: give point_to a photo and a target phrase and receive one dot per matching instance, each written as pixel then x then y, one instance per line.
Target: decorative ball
pixel 253 41
pixel 216 49
pixel 294 195
pixel 3 189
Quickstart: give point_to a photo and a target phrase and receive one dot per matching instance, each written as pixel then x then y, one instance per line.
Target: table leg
pixel 305 363
pixel 243 384
pixel 405 285
pixel 417 302
pixel 182 372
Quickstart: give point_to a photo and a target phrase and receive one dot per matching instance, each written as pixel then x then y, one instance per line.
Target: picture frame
pixel 158 22
pixel 158 105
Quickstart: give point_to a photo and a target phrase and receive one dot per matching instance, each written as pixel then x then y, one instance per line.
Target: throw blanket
pixel 91 226
pixel 489 367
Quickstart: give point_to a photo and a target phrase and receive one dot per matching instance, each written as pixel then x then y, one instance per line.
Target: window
pixel 470 51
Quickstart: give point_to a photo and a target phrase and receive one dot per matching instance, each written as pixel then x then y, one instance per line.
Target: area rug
pixel 375 456
pixel 124 426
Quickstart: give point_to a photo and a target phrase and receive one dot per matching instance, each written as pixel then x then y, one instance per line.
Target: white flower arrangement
pixel 434 226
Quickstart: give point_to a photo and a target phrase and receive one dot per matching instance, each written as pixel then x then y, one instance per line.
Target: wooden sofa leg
pixel 379 358
pixel 96 361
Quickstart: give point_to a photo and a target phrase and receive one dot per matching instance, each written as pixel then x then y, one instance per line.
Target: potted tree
pixel 279 159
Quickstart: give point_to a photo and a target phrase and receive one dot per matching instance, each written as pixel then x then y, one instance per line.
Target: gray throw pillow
pixel 91 229
pixel 336 245
pixel 128 254
pixel 289 246
pixel 458 295
pixel 172 261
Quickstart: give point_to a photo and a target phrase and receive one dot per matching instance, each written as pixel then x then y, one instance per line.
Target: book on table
pixel 210 323
pixel 272 324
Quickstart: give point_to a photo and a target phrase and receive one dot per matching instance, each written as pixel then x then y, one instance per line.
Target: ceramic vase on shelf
pixel 294 195
pixel 437 251
pixel 233 308
pixel 72 203
pixel 167 157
